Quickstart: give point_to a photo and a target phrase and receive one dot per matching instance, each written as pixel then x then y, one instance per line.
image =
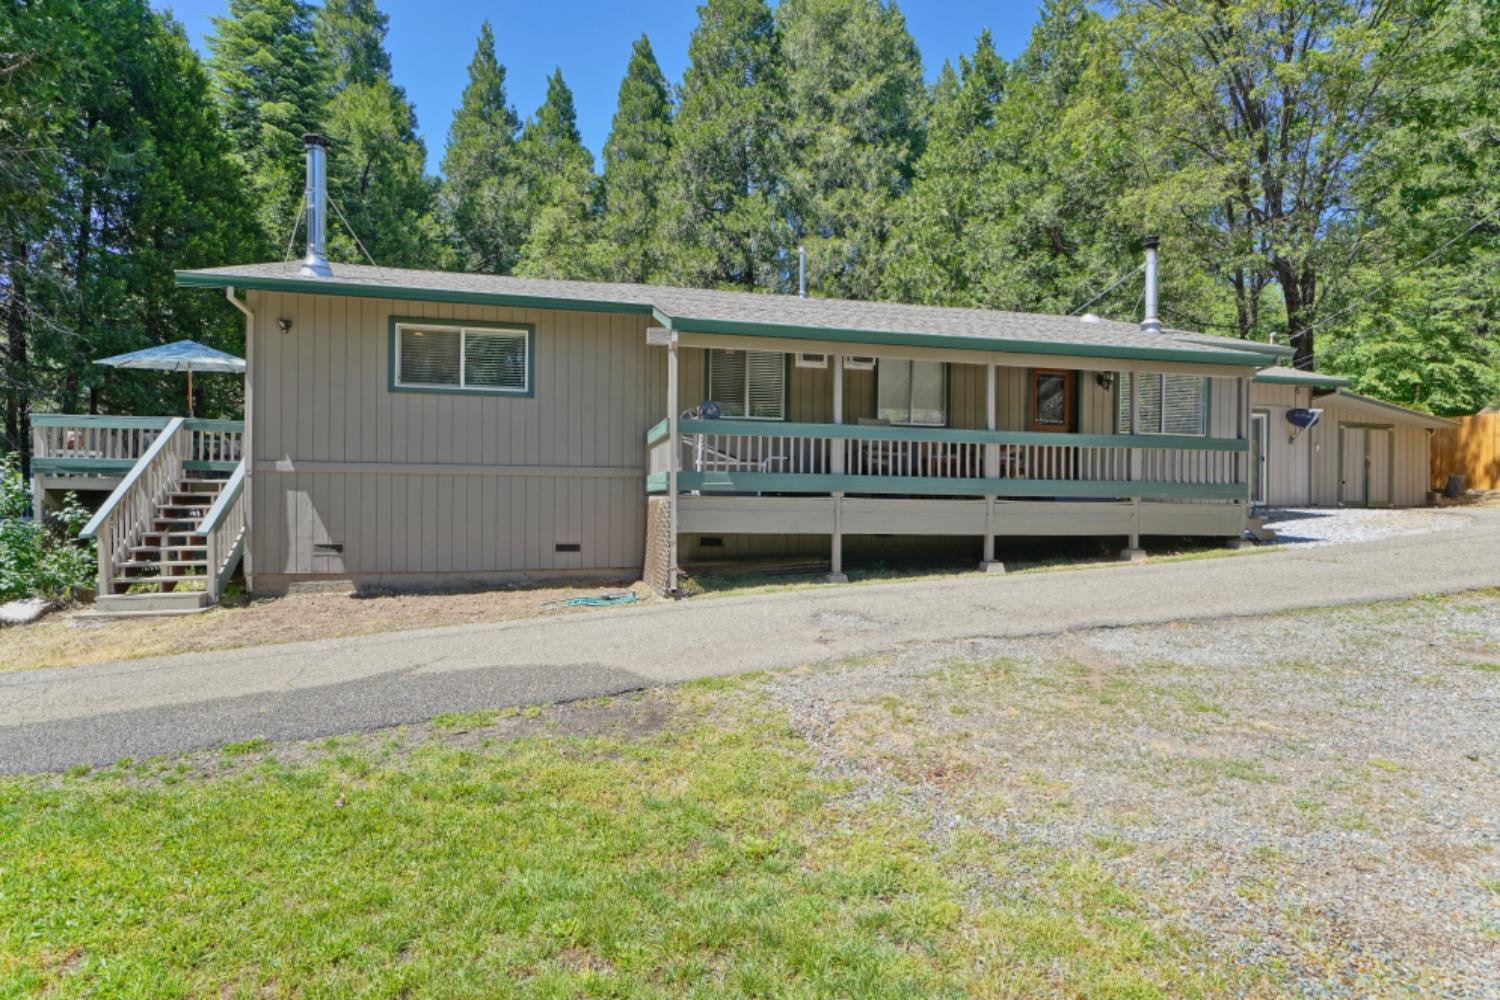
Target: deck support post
pixel 988 563
pixel 1133 551
pixel 247 439
pixel 674 459
pixel 836 572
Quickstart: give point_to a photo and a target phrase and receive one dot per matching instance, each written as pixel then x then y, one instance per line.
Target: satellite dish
pixel 1302 419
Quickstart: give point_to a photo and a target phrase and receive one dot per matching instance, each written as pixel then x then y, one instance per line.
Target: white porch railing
pixel 132 505
pixel 224 530
pixel 751 456
pixel 69 444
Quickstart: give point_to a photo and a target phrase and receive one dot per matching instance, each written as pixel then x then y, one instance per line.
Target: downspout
pixel 247 452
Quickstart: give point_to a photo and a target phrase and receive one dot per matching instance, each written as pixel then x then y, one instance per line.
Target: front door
pixel 1052 398
pixel 1258 440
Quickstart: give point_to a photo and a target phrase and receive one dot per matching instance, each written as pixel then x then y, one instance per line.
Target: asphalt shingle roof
pixel 708 311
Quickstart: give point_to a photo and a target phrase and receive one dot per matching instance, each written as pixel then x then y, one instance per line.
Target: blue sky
pixel 431 42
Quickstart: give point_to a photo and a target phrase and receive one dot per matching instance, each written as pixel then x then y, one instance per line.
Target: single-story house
pixel 411 427
pixel 1358 452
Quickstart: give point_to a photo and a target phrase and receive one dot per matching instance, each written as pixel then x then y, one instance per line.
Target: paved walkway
pixel 52 719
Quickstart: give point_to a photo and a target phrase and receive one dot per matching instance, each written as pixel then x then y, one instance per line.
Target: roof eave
pixel 966 343
pixel 332 286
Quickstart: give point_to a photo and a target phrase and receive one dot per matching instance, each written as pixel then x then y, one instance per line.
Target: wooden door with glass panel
pixel 1052 399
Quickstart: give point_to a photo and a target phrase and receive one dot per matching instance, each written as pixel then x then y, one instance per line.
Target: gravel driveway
pixel 1306 526
pixel 1317 794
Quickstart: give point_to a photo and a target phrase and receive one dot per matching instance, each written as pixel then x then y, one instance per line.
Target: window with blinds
pixel 748 384
pixel 1170 404
pixel 478 359
pixel 912 392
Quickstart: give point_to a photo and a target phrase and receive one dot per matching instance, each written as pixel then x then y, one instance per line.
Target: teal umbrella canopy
pixel 181 356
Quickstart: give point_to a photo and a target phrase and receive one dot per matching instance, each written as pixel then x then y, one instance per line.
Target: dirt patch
pixel 71 639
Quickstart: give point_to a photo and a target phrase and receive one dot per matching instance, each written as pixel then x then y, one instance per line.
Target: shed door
pixel 1352 442
pixel 1378 467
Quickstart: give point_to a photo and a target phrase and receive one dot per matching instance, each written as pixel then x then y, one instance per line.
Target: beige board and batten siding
pixel 1303 469
pixel 354 480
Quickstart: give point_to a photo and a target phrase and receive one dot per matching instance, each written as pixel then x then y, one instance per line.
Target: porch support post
pixel 988 563
pixel 1133 551
pixel 836 572
pixel 838 446
pixel 674 458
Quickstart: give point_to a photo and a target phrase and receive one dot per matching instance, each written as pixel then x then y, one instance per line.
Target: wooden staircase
pixel 167 567
pixel 172 533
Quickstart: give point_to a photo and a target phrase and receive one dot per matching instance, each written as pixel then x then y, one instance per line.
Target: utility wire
pixel 1365 293
pixel 296 224
pixel 1113 285
pixel 352 233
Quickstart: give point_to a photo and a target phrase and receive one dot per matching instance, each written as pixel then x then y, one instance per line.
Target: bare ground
pixel 71 638
pixel 1317 794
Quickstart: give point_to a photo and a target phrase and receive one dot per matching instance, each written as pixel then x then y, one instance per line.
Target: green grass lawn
pixel 700 855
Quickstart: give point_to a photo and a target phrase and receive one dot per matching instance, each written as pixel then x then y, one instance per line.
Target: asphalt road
pixel 53 719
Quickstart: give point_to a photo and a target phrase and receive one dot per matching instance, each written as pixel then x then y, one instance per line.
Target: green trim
pixel 332 286
pixel 138 468
pixel 771 482
pixel 459 324
pixel 198 465
pixel 97 420
pixel 656 482
pixel 658 432
pixel 215 426
pixel 81 466
pixel 959 343
pixel 858 432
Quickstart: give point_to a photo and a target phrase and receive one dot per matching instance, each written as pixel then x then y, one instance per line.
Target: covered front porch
pixel 932 442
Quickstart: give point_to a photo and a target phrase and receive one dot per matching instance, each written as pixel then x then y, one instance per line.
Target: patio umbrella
pixel 181 356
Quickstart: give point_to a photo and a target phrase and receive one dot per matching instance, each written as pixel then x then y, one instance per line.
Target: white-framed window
pixel 912 392
pixel 1170 404
pixel 462 358
pixel 749 385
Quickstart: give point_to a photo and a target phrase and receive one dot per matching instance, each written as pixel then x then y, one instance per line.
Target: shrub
pixel 40 558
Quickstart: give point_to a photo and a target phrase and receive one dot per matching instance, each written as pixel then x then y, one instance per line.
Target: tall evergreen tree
pixel 377 165
pixel 855 110
pixel 724 222
pixel 559 176
pixel 934 254
pixel 636 158
pixel 483 197
pixel 272 86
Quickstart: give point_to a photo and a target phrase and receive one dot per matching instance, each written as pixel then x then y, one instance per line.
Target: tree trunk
pixel 17 396
pixel 1298 292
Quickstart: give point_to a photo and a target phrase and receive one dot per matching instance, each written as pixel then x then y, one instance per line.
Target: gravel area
pixel 1334 526
pixel 1315 796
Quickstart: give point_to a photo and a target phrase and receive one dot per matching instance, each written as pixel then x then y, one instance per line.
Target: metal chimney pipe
pixel 315 264
pixel 802 272
pixel 1151 322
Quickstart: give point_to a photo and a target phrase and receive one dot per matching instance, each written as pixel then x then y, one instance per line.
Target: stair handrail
pixel 224 527
pixel 129 509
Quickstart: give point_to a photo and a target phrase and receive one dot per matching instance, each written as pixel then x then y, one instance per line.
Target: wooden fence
pixel 1471 449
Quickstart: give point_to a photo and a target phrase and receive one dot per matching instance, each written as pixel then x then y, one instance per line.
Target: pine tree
pixel 855 111
pixel 723 219
pixel 350 34
pixel 558 173
pixel 273 88
pixel 636 158
pixel 934 251
pixel 376 174
pixel 482 201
